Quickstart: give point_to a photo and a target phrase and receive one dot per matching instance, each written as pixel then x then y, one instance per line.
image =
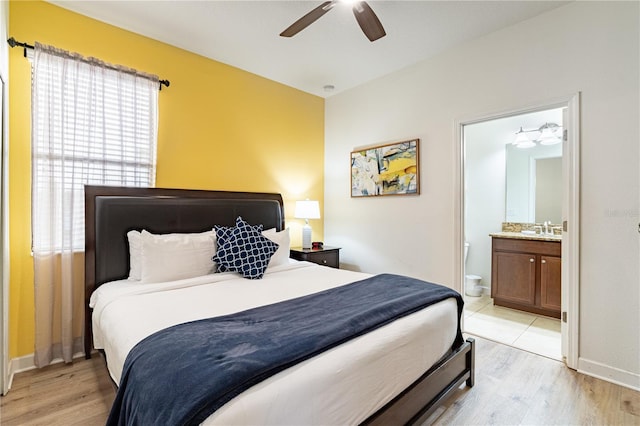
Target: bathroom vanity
pixel 526 272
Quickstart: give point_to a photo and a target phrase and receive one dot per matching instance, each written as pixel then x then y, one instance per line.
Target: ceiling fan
pixel 367 19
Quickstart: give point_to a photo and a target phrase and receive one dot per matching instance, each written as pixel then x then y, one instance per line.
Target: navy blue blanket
pixel 182 374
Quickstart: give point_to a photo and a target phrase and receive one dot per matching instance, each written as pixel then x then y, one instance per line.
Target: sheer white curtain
pixel 92 123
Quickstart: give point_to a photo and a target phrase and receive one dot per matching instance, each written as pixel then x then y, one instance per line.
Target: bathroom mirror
pixel 534 184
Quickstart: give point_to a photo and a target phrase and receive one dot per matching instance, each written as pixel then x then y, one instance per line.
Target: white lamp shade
pixel 527 144
pixel 521 138
pixel 548 138
pixel 549 134
pixel 307 209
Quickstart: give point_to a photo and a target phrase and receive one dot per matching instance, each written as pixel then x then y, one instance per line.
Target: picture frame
pixel 390 169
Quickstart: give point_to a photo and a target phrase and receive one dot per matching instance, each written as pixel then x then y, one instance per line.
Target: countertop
pixel 521 236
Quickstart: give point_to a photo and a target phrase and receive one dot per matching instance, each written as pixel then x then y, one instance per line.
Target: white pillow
pixel 169 257
pixel 135 251
pixel 281 256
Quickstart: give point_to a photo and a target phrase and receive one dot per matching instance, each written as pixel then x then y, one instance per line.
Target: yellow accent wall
pixel 219 128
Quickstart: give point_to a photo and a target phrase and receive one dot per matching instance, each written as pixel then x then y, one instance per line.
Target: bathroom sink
pixel 528 232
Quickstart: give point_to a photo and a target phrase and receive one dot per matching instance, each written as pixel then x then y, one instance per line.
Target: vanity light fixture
pixel 522 140
pixel 307 209
pixel 548 135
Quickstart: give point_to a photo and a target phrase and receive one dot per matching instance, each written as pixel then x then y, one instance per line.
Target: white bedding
pixel 344 385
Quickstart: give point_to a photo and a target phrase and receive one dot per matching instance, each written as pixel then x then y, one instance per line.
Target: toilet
pixel 471 282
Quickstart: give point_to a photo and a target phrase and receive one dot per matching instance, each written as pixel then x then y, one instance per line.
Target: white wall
pixel 587 47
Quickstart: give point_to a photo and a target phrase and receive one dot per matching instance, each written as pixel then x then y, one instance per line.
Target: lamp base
pixel 306 237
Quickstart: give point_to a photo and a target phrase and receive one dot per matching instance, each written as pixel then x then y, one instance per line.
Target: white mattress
pixel 344 385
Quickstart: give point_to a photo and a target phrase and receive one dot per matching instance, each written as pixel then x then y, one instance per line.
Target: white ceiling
pixel 331 51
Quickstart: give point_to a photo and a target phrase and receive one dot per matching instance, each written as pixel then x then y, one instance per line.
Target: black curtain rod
pixel 13 43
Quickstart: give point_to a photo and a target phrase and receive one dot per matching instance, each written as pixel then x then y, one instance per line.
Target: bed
pixel 395 374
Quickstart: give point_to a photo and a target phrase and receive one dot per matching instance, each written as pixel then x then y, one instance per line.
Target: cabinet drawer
pixel 326 257
pixel 549 248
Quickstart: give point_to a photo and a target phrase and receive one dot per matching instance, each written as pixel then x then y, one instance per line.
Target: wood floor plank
pixel 513 387
pixel 80 393
pixel 630 402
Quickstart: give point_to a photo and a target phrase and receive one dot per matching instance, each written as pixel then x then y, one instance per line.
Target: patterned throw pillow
pixel 245 250
pixel 222 234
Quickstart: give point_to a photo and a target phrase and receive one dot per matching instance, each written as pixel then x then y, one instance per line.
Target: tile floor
pixel 522 330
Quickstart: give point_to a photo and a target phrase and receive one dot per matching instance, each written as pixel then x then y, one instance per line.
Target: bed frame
pixel 110 212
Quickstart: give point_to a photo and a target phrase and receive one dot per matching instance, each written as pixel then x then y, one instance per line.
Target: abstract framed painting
pixel 391 169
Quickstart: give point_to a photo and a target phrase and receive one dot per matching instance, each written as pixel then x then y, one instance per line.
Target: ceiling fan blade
pixel 308 19
pixel 368 21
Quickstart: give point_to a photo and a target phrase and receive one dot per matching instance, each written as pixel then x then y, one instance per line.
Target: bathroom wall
pixel 485 192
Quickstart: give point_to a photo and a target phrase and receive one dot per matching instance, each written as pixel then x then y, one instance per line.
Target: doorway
pixel 4 272
pixel 484 206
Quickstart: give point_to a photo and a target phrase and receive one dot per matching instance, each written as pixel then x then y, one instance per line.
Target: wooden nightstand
pixel 327 256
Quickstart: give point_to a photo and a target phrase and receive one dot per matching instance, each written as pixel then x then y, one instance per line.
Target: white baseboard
pixel 610 374
pixel 20 364
pixel 27 362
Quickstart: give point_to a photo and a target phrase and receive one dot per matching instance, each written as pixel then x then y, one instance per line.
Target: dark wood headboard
pixel 111 212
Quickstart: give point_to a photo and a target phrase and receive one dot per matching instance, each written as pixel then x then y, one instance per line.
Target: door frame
pixel 4 240
pixel 570 213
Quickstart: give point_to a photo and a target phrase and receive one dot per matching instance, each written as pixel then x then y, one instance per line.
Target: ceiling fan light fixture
pixel 366 17
pixel 356 6
pixel 308 19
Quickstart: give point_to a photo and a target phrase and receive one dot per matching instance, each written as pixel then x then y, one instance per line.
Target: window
pixel 92 123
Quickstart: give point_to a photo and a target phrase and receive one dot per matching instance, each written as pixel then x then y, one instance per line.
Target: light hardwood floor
pixel 512 387
pixel 74 394
pixel 516 387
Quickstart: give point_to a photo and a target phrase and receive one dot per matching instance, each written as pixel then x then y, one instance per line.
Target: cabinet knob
pixel 543 261
pixel 324 261
pixel 532 260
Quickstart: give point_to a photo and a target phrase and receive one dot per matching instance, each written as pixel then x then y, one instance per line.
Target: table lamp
pixel 306 210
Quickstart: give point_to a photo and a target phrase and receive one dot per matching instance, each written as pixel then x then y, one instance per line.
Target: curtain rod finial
pixel 12 42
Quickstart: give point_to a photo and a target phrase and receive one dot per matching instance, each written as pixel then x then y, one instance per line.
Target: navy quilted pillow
pixel 222 234
pixel 245 250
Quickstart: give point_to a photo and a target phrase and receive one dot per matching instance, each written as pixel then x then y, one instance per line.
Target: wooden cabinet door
pixel 514 278
pixel 550 282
